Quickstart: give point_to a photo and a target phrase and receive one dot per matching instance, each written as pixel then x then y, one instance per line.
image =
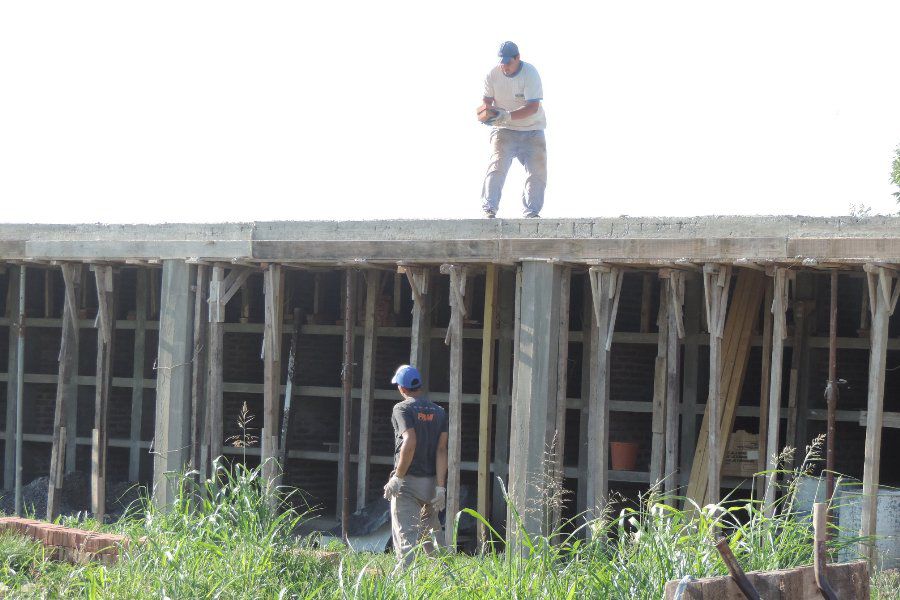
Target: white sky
pixel 213 111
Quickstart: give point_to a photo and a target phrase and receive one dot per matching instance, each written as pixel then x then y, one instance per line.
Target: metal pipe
pixel 831 391
pixel 20 380
pixel 346 402
pixel 820 514
pixel 737 573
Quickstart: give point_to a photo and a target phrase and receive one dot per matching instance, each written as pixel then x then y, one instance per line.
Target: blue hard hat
pixel 408 377
pixel 508 51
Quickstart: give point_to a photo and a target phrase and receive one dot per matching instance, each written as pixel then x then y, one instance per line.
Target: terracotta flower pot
pixel 624 455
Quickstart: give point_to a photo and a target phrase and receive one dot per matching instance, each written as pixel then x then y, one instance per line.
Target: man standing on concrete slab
pixel 513 89
pixel 417 487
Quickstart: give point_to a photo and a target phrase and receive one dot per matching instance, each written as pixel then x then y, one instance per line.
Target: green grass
pixel 225 539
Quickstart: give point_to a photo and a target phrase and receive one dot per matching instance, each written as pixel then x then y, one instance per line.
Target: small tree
pixel 895 173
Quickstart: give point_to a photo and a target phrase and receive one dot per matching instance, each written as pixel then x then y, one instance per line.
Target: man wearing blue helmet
pixel 512 95
pixel 417 487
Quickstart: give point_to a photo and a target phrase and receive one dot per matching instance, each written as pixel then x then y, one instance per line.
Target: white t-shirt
pixel 512 93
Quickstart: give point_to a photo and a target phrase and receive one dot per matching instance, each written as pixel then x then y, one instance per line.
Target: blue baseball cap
pixel 408 377
pixel 508 51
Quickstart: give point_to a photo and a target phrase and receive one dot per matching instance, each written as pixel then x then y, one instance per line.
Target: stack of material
pixel 744 311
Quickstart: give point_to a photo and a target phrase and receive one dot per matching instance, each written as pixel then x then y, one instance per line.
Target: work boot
pixel 489 214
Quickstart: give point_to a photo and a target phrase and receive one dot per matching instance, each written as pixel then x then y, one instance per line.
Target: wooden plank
pixel 765 376
pixel 507 301
pixel 848 580
pixel 881 283
pixel 658 423
pixel 489 327
pixel 646 291
pixel 12 382
pixel 779 333
pixel 420 333
pixel 717 281
pixel 888 419
pixel 831 389
pixel 103 276
pixel 214 426
pixel 287 415
pixel 562 379
pixel 272 338
pixel 606 285
pixel 68 371
pixel 588 359
pixel 689 384
pixel 674 332
pixel 198 374
pixel 350 276
pixel 454 333
pixel 373 289
pixel 735 345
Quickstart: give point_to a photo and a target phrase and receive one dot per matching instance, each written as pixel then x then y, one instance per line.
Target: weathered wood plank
pixel 454 339
pixel 489 323
pixel 272 338
pixel 765 376
pixel 103 276
pixel 779 333
pixel 198 374
pixel 882 301
pixel 658 423
pixel 64 389
pixel 507 292
pixel 674 333
pixel 562 381
pixel 373 288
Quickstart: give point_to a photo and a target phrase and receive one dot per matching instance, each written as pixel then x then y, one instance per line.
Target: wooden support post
pixel 883 292
pixel 674 333
pixel 455 340
pixel 106 322
pixel 71 417
pixel 137 374
pixel 488 333
pixel 658 424
pixel 271 355
pixel 48 293
pixel 12 382
pixel 346 399
pixel 201 370
pixel 562 379
pixel 831 389
pixel 534 397
pixel 507 300
pixel 420 334
pixel 692 309
pixel 780 300
pixel 211 447
pixel 792 438
pixel 588 360
pixel 18 399
pixel 373 288
pixel 172 436
pixel 221 290
pixel 606 286
pixel 717 279
pixel 646 292
pixel 765 376
pixel 66 392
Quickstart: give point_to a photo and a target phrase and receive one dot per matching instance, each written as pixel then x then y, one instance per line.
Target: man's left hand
pixel 439 502
pixel 502 118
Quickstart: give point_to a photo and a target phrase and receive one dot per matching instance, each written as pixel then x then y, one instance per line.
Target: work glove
pixel 501 118
pixel 439 502
pixel 392 487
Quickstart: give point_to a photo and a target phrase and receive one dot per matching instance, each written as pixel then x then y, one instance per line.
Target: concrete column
pixel 534 395
pixel 172 436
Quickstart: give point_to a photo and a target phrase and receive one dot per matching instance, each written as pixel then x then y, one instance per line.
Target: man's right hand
pixel 392 487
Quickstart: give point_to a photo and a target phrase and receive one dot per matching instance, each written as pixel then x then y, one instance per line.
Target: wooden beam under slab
pixel 458 276
pixel 272 338
pixel 489 328
pixel 103 276
pixel 373 289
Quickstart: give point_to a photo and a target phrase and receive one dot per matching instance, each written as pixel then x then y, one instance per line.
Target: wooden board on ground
pixel 848 580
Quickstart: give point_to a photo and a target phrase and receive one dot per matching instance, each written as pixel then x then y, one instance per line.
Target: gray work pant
pixel 530 148
pixel 413 518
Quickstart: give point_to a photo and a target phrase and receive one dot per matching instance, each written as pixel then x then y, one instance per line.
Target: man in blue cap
pixel 513 91
pixel 417 486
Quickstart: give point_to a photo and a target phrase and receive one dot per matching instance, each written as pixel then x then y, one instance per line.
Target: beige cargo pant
pixel 414 519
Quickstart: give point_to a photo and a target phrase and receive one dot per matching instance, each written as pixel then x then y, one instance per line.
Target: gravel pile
pixel 75 498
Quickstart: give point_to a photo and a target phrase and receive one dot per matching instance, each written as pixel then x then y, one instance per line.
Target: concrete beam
pixel 173 381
